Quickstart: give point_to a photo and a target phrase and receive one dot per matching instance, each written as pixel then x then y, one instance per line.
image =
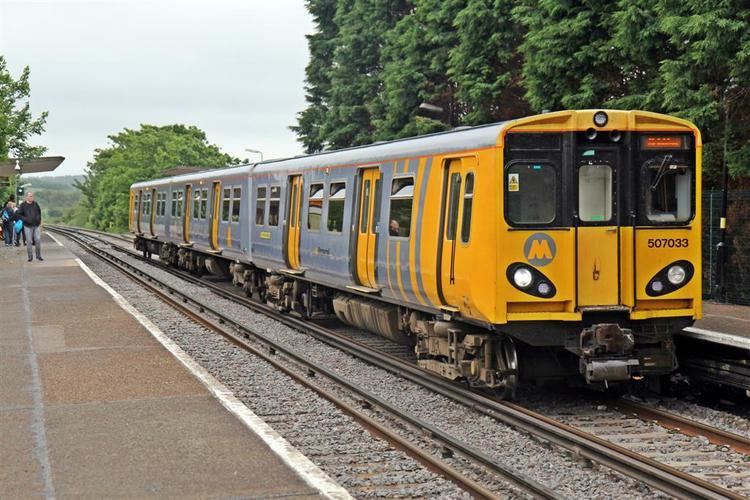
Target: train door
pixel 186 220
pixel 369 202
pixel 214 223
pixel 152 212
pixel 293 221
pixel 597 231
pixel 135 199
pixel 458 194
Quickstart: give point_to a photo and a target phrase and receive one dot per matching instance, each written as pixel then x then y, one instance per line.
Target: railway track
pixel 666 478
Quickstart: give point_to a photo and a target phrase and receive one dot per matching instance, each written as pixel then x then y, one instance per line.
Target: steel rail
pixel 660 476
pixel 686 426
pixel 519 479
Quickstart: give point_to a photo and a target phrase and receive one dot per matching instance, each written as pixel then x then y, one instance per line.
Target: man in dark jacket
pixel 31 214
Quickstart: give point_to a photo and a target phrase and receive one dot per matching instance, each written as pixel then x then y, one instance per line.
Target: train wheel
pixel 506 359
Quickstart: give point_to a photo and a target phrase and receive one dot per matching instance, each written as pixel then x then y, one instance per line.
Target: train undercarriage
pixel 604 352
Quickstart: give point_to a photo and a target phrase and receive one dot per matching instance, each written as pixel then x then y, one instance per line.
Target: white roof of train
pixel 458 139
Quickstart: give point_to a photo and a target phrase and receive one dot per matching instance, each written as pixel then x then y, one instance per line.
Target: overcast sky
pixel 233 68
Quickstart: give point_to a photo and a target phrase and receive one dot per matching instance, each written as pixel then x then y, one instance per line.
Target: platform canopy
pixel 37 165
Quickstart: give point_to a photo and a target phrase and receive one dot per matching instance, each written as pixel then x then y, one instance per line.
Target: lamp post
pixel 255 151
pixel 17 178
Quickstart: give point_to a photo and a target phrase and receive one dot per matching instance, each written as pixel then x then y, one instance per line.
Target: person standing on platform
pixel 31 214
pixel 6 215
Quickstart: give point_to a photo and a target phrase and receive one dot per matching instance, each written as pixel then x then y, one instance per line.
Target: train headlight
pixel 657 286
pixel 522 277
pixel 543 288
pixel 676 275
pixel 600 118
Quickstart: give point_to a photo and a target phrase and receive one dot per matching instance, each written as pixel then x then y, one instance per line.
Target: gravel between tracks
pixel 269 394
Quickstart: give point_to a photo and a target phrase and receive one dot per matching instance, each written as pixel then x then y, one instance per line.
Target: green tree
pixel 17 124
pixel 356 79
pixel 708 80
pixel 569 61
pixel 486 64
pixel 415 71
pixel 311 121
pixel 136 155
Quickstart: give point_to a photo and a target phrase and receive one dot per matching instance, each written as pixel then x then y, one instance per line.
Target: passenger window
pixel 315 207
pixel 226 205
pixel 453 202
pixel 204 203
pixel 273 206
pixel 531 193
pixel 669 190
pixel 402 193
pixel 595 193
pixel 236 204
pixel 197 204
pixel 336 200
pixel 468 204
pixel 260 206
pixel 180 196
pixel 365 208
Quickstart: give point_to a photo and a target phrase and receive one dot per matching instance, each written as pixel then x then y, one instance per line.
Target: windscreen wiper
pixel 660 173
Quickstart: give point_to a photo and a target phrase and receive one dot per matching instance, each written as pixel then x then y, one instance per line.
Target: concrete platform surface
pixel 726 324
pixel 92 405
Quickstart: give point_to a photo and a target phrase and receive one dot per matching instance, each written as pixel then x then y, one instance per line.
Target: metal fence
pixel 738 240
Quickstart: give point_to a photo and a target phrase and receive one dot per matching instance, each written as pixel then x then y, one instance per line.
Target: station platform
pixel 725 324
pixel 93 403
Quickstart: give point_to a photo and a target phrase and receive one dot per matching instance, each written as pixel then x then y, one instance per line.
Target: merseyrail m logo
pixel 539 249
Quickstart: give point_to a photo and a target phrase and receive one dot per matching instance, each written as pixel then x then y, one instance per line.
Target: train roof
pixel 461 138
pixel 197 176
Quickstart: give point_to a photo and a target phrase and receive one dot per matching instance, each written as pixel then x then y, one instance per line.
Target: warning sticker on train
pixel 512 183
pixel 539 249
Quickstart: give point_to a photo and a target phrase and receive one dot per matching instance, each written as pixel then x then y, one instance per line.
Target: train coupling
pixel 607 353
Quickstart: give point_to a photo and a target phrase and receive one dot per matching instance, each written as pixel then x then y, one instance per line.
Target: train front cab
pixel 600 239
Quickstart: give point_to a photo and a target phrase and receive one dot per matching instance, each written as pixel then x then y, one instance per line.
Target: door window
pixel 468 202
pixel 365 207
pixel 453 201
pixel 595 193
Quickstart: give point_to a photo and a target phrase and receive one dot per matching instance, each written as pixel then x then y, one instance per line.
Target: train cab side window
pixel 669 187
pixel 595 193
pixel 260 206
pixel 336 201
pixel 315 207
pixel 226 203
pixel 468 204
pixel 274 202
pixel 531 193
pixel 402 194
pixel 236 204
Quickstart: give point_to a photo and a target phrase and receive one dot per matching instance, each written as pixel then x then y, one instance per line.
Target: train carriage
pixel 570 239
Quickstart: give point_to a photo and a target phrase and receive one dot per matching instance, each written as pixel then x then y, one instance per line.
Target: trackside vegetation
pixel 372 64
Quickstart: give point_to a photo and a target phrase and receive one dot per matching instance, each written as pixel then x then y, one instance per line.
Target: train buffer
pixel 93 404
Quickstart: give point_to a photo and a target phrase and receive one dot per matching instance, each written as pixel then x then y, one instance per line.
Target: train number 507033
pixel 668 242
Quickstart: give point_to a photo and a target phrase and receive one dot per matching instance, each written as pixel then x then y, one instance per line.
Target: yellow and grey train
pixel 557 244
